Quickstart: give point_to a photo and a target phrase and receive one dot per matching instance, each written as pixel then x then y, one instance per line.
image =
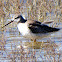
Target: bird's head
pixel 17 18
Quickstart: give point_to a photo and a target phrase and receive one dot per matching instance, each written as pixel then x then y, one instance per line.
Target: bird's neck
pixel 22 20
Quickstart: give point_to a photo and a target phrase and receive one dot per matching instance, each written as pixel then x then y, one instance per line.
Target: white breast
pixel 23 28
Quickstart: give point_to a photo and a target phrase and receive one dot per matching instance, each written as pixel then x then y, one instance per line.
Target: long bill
pixel 8 23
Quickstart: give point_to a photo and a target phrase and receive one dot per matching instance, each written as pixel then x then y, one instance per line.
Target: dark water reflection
pixel 15 48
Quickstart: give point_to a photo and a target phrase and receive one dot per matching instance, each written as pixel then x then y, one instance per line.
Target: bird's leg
pixel 35 40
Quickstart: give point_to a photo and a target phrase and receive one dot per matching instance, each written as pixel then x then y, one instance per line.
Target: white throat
pixel 23 28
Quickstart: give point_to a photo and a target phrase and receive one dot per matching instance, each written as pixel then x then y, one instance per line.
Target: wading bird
pixel 33 29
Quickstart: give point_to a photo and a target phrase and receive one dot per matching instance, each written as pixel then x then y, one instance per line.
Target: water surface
pixel 15 48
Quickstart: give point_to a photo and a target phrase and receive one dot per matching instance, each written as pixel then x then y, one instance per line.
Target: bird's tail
pixel 55 29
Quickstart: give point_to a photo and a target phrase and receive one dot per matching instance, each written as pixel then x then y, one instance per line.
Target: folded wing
pixel 41 28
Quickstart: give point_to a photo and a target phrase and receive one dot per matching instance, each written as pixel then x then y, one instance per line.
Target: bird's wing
pixel 37 22
pixel 41 28
pixel 47 22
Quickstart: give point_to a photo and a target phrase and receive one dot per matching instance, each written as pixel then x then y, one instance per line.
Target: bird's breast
pixel 23 28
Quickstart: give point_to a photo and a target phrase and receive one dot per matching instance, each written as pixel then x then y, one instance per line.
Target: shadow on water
pixel 15 48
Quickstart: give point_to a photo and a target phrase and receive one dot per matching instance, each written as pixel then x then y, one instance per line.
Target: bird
pixel 33 29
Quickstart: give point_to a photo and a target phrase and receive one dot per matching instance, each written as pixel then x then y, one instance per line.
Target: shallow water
pixel 15 48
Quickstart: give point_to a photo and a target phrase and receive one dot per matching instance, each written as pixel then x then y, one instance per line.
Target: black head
pixel 22 20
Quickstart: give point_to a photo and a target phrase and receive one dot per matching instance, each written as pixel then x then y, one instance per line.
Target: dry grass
pixel 17 51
